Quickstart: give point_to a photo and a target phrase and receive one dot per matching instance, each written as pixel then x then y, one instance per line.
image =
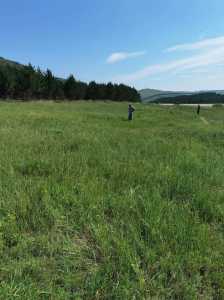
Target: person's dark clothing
pixel 198 110
pixel 130 112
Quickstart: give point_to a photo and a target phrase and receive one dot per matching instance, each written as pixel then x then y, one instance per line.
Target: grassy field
pixel 95 207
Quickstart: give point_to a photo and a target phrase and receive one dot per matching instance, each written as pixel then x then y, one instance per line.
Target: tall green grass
pixel 95 207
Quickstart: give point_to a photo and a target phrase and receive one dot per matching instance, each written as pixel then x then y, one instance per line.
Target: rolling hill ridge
pixel 8 62
pixel 152 95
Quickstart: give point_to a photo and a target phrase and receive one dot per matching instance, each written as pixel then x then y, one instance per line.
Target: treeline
pixel 200 98
pixel 28 83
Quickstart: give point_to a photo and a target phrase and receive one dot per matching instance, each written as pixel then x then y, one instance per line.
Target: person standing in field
pixel 131 110
pixel 198 109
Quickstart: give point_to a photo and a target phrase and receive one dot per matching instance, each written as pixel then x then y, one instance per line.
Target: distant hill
pixel 200 98
pixel 152 95
pixel 148 93
pixel 4 62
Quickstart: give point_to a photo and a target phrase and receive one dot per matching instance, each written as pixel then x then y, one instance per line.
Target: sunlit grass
pixel 95 207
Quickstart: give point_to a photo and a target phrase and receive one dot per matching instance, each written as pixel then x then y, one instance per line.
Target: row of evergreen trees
pixel 26 82
pixel 202 98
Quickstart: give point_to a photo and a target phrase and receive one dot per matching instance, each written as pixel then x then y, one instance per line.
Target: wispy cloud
pixel 204 44
pixel 119 56
pixel 210 57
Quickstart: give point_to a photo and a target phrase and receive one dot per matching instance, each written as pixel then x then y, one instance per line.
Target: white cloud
pixel 209 57
pixel 119 56
pixel 204 44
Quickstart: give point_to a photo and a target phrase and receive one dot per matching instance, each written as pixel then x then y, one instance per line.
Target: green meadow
pixel 95 207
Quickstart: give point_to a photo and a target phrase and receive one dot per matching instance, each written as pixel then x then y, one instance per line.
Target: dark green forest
pixel 202 98
pixel 22 82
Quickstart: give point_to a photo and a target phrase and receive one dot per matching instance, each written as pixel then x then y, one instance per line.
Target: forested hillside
pixel 201 98
pixel 26 82
pixel 150 95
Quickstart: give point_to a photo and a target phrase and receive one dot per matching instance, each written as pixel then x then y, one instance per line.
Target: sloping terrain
pixel 12 63
pixel 151 95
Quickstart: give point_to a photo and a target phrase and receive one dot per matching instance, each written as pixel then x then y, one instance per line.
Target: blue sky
pixel 164 44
